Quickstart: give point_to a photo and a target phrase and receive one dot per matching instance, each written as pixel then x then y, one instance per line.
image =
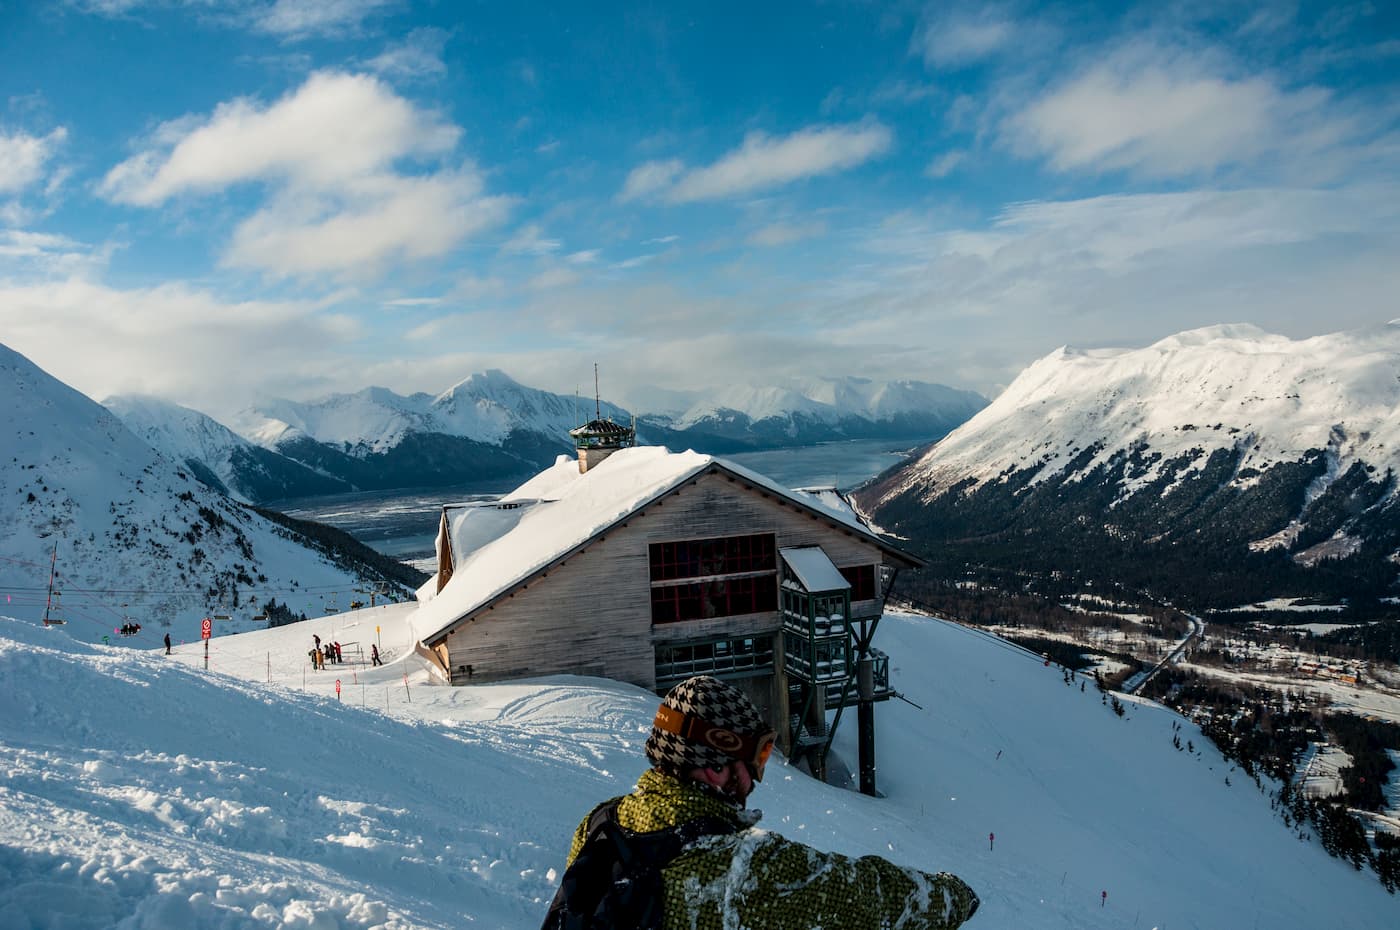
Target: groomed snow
pixel 144 793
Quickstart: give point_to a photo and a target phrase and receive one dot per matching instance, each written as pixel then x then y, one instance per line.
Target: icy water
pixel 403 523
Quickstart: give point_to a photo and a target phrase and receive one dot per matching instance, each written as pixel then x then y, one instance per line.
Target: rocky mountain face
pixel 137 535
pixel 217 455
pixel 1215 466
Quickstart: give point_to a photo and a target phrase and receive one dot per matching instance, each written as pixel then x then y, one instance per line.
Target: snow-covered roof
pixel 497 546
pixel 812 567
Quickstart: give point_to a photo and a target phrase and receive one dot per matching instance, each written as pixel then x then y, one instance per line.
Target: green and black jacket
pixel 758 880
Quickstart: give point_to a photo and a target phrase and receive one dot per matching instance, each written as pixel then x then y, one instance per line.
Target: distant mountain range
pixel 489 427
pixel 138 535
pixel 1214 464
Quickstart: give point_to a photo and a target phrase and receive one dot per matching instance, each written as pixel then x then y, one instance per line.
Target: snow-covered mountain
pixel 137 534
pixel 141 791
pixel 486 407
pixel 484 428
pixel 819 409
pixel 491 427
pixel 216 454
pixel 1226 439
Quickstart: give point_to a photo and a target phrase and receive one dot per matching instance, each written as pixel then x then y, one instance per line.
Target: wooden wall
pixel 592 615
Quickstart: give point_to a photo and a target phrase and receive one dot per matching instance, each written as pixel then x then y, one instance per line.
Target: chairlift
pixel 331 608
pixel 53 610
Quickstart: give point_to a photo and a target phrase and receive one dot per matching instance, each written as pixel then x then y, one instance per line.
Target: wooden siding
pixel 592 614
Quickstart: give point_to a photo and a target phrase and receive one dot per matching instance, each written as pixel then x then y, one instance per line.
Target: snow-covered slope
pixel 1233 387
pixel 246 471
pixel 137 535
pixel 1202 447
pixel 144 792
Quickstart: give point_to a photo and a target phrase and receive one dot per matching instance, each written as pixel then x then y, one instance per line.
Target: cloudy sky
pixel 208 200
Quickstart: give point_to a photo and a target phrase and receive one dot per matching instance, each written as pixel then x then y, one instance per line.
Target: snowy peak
pixel 1183 460
pixel 218 456
pixel 134 529
pixel 832 400
pixel 1219 387
pixel 486 407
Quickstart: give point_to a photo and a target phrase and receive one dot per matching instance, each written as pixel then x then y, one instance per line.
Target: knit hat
pixel 731 718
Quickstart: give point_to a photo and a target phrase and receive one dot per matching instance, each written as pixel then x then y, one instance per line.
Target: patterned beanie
pixel 714 702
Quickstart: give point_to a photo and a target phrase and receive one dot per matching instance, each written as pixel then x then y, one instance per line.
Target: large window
pixel 728 657
pixel 723 597
pixel 701 558
pixel 862 581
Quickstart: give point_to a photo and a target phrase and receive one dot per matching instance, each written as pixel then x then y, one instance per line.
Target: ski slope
pixel 144 793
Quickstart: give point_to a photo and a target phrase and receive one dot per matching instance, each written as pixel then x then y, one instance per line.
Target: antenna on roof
pixel 597 398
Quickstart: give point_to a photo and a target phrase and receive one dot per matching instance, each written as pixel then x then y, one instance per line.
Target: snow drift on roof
pixel 566 510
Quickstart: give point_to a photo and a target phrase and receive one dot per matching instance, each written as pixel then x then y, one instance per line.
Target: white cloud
pixel 964 38
pixel 649 178
pixel 22 158
pixel 529 240
pixel 413 302
pixel 551 278
pixel 328 153
pixel 25 254
pixel 417 57
pixel 583 257
pixel 1159 115
pixel 765 161
pixel 944 164
pixel 286 19
pixel 333 128
pixel 777 234
pixel 175 341
pixel 375 219
pixel 1120 270
pixel 302 18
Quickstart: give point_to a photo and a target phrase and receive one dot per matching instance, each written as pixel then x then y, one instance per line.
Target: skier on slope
pixel 708 746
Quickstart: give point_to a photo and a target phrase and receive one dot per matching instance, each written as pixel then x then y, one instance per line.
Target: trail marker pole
pixel 405 688
pixel 337 689
pixel 206 630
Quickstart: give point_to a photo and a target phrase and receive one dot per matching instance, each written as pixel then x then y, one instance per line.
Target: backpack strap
pixel 616 878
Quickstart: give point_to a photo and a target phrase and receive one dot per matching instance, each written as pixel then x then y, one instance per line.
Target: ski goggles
pixel 753 749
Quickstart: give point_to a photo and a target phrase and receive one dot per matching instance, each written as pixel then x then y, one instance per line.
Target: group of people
pixel 331 654
pixel 130 628
pixel 322 655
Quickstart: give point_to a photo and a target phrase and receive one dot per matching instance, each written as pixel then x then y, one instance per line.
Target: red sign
pixel 206 628
pixel 337 686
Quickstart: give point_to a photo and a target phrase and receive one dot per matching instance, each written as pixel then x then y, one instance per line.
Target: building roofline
pixel 713 466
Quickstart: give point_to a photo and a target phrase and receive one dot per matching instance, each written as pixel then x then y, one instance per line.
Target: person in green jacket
pixel 708 747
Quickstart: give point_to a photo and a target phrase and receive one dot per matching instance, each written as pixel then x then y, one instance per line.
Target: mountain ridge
pixel 1226 439
pixel 136 533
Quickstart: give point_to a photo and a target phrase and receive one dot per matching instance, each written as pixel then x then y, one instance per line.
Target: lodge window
pixel 727 657
pixel 862 581
pixel 726 555
pixel 724 597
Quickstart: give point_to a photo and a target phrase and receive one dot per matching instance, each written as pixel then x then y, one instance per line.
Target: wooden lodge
pixel 647 566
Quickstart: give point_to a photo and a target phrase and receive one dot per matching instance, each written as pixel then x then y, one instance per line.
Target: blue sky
pixel 206 200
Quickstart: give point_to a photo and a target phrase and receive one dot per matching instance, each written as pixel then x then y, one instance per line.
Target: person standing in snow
pixel 708 748
pixel 167 644
pixel 339 660
pixel 374 655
